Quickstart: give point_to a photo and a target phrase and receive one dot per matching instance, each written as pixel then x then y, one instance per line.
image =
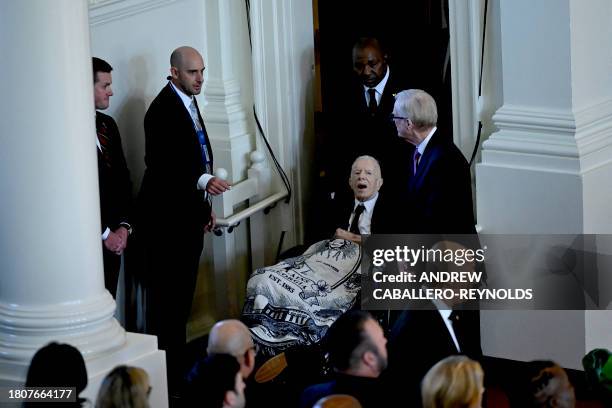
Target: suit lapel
pixel 425 162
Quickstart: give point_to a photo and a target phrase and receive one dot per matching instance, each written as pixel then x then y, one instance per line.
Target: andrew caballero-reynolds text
pixel 439 284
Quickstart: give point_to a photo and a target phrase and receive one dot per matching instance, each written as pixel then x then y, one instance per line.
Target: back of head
pixel 210 379
pixel 544 384
pixel 233 337
pixel 57 365
pixel 345 338
pixel 124 387
pixel 454 382
pixel 418 106
pixel 229 337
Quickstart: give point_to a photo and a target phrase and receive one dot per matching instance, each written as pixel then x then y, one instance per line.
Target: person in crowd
pixel 431 330
pixel 175 204
pixel 216 382
pixel 233 337
pixel 125 387
pixel 454 382
pixel 358 354
pixel 544 384
pixel 57 365
pixel 439 194
pixel 113 178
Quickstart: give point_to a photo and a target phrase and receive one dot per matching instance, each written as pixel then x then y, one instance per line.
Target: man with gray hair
pixel 365 181
pixel 439 193
pixel 232 337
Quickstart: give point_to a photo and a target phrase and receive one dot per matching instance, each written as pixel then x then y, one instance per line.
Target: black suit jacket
pixel 382 216
pixel 439 195
pixel 356 132
pixel 113 176
pixel 173 159
pixel 365 390
pixel 419 339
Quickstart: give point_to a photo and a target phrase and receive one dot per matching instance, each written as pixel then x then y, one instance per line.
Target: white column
pixel 50 253
pixel 52 280
pixel 547 168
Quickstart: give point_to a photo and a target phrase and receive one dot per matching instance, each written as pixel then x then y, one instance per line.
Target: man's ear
pixel 379 184
pixel 174 72
pixel 230 399
pixel 369 358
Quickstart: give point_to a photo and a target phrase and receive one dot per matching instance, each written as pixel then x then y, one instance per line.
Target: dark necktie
pixel 354 228
pixel 415 161
pixel 101 130
pixel 372 105
pixel 455 318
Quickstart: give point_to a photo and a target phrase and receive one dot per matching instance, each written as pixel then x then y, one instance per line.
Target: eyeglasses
pixel 393 117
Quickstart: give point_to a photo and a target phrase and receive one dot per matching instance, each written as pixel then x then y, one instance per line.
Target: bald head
pixel 233 337
pixel 229 337
pixel 187 70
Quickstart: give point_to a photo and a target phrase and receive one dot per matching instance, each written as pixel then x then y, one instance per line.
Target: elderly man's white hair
pixel 366 157
pixel 418 106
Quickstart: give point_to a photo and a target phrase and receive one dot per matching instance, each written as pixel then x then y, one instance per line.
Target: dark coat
pixel 419 339
pixel 439 196
pixel 113 176
pixel 173 159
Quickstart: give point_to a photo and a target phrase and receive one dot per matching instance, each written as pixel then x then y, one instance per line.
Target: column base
pixel 139 350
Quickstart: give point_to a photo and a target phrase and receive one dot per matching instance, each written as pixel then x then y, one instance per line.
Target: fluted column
pixel 52 281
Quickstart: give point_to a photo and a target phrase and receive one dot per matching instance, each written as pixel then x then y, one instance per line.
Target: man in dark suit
pixel 421 338
pixel 113 178
pixel 439 194
pixel 360 118
pixel 358 354
pixel 175 199
pixel 438 201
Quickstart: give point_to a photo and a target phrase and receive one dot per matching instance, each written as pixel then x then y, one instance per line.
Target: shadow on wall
pixel 130 118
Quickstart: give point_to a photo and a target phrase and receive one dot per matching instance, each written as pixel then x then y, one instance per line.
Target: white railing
pixel 257 192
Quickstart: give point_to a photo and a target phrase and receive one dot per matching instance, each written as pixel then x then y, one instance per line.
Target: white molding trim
pixel 103 11
pixel 530 119
pixel 551 139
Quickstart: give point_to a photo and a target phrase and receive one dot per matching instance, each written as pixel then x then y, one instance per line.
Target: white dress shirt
pixel 187 101
pixel 380 88
pixel 445 312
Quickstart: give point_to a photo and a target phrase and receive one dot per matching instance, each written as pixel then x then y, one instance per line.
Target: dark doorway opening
pixel 415 36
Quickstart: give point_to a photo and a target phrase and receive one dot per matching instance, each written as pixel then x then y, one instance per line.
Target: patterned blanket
pixel 295 301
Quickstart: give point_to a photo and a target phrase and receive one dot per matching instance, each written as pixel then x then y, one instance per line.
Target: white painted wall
pixel 546 169
pixel 137 36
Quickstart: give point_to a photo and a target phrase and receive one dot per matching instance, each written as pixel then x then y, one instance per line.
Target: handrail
pixel 235 219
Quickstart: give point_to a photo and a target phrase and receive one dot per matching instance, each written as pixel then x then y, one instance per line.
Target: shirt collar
pixel 184 97
pixel 369 203
pixel 421 146
pixel 381 85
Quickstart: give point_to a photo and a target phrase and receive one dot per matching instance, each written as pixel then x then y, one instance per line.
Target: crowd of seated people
pixel 356 349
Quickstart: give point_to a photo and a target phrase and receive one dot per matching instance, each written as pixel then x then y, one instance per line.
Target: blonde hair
pixel 454 382
pixel 124 386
